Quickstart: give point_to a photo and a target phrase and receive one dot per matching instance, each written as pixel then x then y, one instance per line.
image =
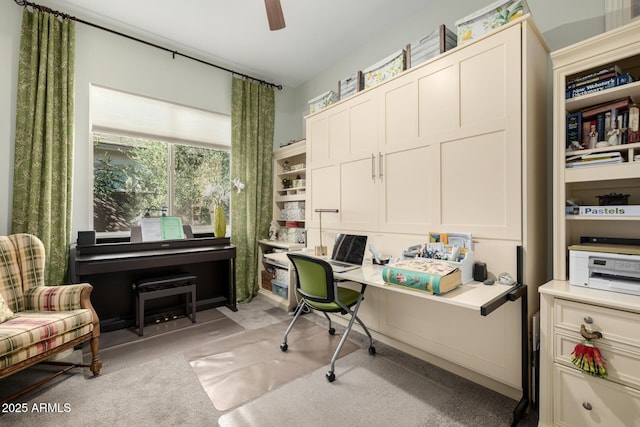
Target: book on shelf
pixel 597 123
pixel 594 159
pixel 599 85
pixel 604 73
pixel 574 131
pixel 423 274
pixel 618 104
pixel 607 211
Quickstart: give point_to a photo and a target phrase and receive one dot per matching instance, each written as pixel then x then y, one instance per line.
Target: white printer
pixel 613 268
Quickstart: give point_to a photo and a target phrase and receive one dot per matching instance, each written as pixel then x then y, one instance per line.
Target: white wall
pixel 10 21
pixel 113 61
pixel 561 22
pixel 116 62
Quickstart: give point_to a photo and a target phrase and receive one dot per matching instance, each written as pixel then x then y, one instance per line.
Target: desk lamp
pixel 322 250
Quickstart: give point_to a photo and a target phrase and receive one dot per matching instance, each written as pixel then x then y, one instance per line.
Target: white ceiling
pixel 235 33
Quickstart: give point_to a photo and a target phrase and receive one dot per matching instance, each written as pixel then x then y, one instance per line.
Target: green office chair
pixel 319 291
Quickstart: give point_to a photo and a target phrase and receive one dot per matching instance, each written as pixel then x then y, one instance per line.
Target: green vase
pixel 219 222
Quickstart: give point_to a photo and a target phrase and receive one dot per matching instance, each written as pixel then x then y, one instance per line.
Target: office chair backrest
pixel 314 278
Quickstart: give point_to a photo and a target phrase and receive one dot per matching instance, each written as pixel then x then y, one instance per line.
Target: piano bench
pixel 157 287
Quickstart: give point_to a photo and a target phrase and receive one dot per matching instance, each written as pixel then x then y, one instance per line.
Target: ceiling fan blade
pixel 274 14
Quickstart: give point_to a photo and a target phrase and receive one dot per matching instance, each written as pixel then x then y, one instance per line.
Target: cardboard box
pixel 430 46
pixel 322 101
pixel 489 18
pixel 350 86
pixel 389 67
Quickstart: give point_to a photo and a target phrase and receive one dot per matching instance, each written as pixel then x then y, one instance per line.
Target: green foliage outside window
pixel 132 175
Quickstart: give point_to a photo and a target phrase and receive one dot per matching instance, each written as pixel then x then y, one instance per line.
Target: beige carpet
pixel 239 368
pixel 124 348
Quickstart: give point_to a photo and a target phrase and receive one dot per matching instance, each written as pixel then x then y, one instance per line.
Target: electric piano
pixel 113 265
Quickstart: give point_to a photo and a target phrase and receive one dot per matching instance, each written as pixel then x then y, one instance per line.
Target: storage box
pixel 389 67
pixel 292 214
pixel 489 18
pixel 267 278
pixel 350 86
pixel 430 46
pixel 282 276
pixel 294 205
pixel 280 289
pixel 322 101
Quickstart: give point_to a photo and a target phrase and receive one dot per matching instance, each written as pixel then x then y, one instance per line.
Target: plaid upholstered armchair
pixel 38 321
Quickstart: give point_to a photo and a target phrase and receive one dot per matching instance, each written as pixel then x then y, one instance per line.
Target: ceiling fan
pixel 274 14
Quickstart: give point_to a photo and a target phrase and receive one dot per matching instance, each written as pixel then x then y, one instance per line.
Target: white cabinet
pixel 456 144
pixel 277 280
pixel 289 206
pixel 289 195
pixel 418 152
pixel 569 397
pixel 619 47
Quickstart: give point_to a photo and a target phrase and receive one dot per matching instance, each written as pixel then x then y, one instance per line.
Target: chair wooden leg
pixel 96 363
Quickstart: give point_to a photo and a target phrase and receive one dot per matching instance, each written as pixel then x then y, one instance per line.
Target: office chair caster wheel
pixel 332 331
pixel 331 377
pixel 372 350
pixel 284 347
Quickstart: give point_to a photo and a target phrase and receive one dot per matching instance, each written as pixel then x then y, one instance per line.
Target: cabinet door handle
pixel 587 406
pixel 594 335
pixel 588 320
pixel 380 164
pixel 373 167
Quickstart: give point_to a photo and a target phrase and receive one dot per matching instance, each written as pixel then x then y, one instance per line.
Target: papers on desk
pixel 161 228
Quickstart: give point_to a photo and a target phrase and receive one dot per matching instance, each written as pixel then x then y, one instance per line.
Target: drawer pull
pixel 587 406
pixel 588 320
pixel 589 335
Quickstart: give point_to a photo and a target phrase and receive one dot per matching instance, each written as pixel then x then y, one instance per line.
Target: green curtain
pixel 42 178
pixel 252 123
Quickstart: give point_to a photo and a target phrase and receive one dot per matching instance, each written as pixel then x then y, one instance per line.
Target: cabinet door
pixel 408 190
pixel 318 140
pixel 398 115
pixel 324 183
pixel 481 183
pixel 358 194
pixel 581 400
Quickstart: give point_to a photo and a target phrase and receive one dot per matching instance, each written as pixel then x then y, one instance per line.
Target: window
pixel 154 157
pixel 133 176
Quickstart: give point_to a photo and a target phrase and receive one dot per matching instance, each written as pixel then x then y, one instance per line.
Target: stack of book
pixel 605 78
pixel 594 159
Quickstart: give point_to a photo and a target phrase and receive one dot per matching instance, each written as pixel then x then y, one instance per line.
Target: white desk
pixel 473 295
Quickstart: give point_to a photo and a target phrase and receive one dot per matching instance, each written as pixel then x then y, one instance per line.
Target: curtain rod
pixel 174 53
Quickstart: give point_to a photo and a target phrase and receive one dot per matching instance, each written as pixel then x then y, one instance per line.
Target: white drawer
pixel 616 326
pixel 623 362
pixel 610 404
